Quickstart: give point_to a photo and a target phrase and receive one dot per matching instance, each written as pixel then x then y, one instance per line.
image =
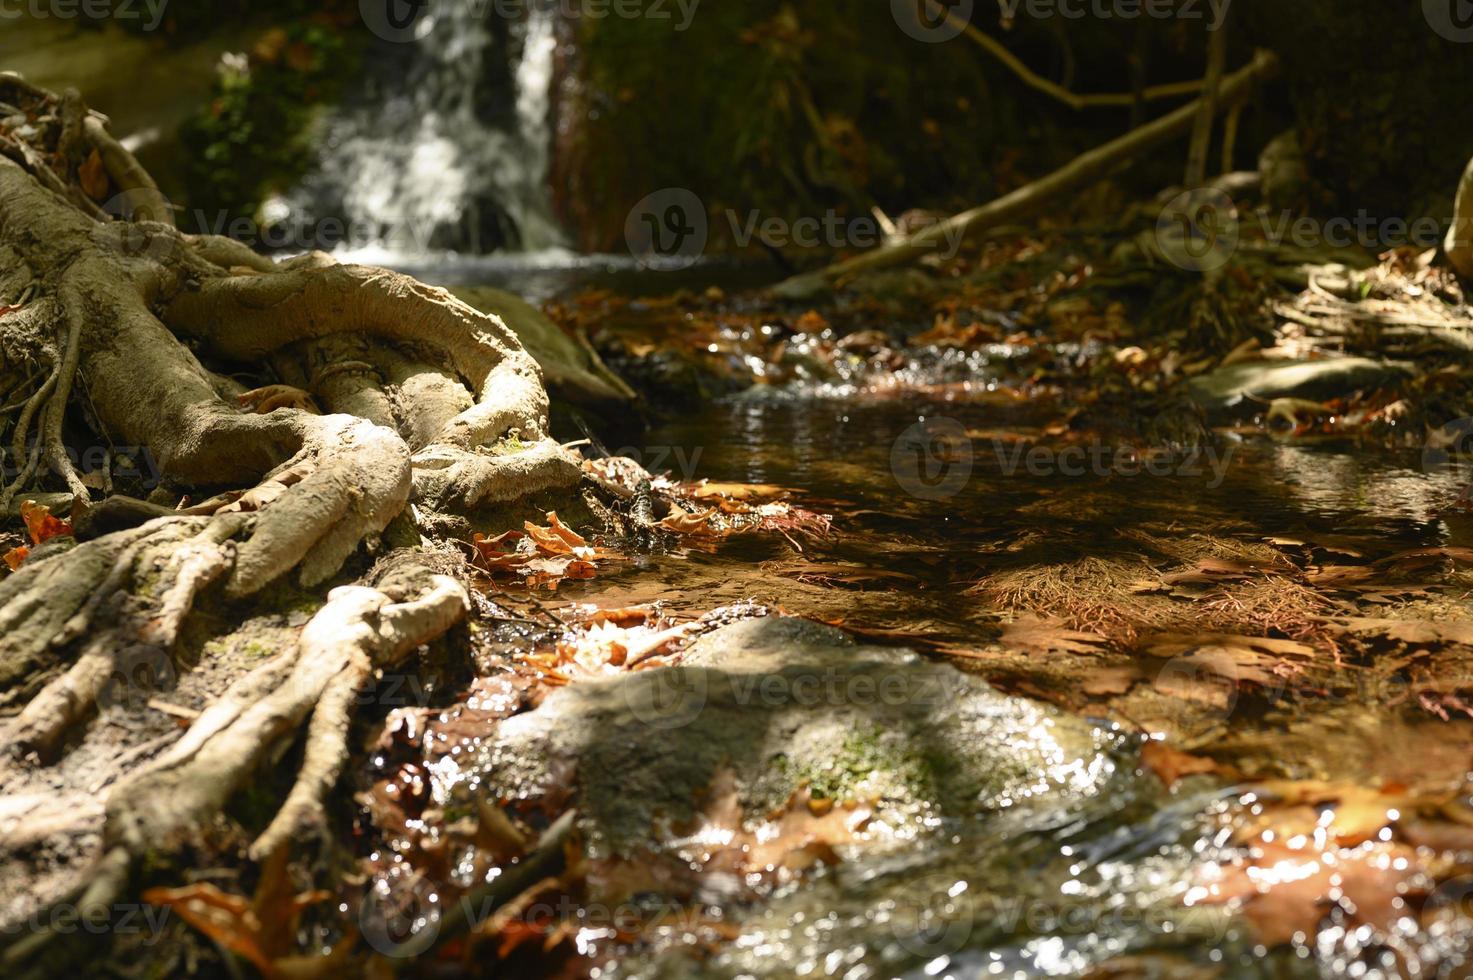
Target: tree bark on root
pixel 132 330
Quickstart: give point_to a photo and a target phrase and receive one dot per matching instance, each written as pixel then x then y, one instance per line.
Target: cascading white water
pixel 449 147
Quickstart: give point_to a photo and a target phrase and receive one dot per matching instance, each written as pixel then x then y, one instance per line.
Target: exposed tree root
pixel 429 401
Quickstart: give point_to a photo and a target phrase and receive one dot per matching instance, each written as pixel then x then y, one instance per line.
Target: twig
pixel 1120 100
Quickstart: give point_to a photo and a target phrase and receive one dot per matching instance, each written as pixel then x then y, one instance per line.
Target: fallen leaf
pixel 15 557
pixel 265 400
pixel 263 929
pixel 1171 765
pixel 40 525
pixel 92 175
pixel 1415 632
pixel 1033 635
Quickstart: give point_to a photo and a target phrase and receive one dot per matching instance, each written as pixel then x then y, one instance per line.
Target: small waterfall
pixel 447 146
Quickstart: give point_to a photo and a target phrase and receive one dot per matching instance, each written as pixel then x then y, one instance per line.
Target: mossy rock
pixel 784 704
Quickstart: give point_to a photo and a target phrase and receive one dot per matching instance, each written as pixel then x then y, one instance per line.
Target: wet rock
pixel 1245 388
pixel 783 703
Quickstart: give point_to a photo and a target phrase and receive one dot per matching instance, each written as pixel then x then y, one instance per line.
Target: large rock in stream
pixel 1246 388
pixel 781 703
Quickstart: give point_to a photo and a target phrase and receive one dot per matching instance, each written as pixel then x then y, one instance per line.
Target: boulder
pixel 783 703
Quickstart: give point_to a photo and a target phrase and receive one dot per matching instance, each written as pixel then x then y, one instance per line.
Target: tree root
pixel 360 629
pixel 430 401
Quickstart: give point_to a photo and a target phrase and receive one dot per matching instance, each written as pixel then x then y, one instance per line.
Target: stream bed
pixel 1247 771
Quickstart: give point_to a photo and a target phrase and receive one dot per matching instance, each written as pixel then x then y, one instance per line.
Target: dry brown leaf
pixel 262 928
pixel 1288 891
pixel 267 491
pixel 1210 571
pixel 1033 635
pixel 265 400
pixel 92 175
pixel 1172 765
pixel 1415 632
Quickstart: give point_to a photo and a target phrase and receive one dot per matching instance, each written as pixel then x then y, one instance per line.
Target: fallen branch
pixel 1111 100
pixel 1080 172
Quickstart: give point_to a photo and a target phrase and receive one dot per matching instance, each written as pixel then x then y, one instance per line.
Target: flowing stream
pixel 1111 883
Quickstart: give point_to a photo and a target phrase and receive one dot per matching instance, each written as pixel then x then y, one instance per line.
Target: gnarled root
pixel 427 399
pixel 359 630
pixel 131 620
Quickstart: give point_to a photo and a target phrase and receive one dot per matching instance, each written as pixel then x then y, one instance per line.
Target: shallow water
pixel 934 494
pixel 1026 898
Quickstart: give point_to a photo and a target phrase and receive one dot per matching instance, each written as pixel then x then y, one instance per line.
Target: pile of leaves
pixel 541 556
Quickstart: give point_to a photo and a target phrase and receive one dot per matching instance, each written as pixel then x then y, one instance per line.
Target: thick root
pixel 359 629
pixel 132 627
pixel 427 397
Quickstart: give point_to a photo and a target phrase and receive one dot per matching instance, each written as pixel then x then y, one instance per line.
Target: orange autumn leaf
pixel 542 556
pixel 40 525
pixel 1172 765
pixel 261 928
pixel 92 175
pixel 15 556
